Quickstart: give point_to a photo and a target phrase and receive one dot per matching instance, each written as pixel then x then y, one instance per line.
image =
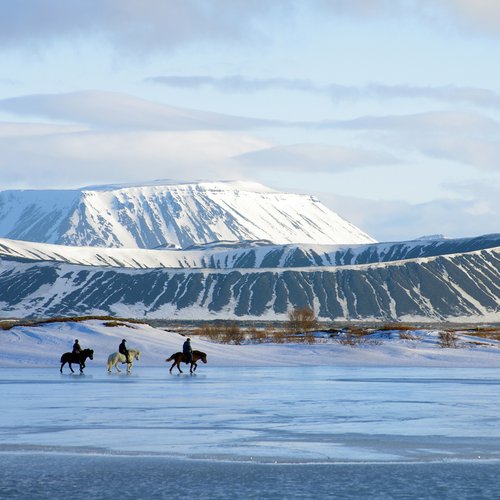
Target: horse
pixel 116 357
pixel 76 357
pixel 179 357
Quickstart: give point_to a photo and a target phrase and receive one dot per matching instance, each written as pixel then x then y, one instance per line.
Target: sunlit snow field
pixel 421 427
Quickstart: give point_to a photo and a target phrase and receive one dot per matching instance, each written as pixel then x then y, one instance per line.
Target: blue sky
pixel 388 111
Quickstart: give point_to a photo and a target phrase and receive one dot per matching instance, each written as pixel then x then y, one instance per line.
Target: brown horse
pixel 179 358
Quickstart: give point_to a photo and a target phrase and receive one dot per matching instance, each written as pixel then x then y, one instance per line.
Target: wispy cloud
pixel 480 16
pixel 390 220
pixel 314 157
pixel 133 25
pixel 58 157
pixel 427 123
pixel 461 136
pixel 145 26
pixel 107 136
pixel 114 111
pixel 235 83
pixel 467 138
pixel 240 84
pixel 446 93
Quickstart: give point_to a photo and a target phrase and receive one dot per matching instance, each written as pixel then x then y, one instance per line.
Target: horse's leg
pixel 70 367
pixel 179 366
pixel 62 364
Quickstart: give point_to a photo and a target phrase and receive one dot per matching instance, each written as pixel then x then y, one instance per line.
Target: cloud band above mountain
pixel 238 83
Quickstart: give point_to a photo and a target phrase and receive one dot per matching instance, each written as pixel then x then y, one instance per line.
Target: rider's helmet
pixel 123 340
pixel 76 340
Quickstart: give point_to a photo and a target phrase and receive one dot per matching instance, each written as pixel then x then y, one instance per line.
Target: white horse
pixel 116 357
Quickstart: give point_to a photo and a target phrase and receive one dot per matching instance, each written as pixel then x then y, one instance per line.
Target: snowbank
pixel 43 345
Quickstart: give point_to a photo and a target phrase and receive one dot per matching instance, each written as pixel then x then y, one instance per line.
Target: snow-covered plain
pixel 389 419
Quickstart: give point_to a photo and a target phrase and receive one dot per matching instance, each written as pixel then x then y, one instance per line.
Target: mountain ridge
pixel 253 254
pixel 444 288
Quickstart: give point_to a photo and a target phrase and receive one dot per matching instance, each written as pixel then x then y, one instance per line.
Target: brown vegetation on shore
pixel 302 327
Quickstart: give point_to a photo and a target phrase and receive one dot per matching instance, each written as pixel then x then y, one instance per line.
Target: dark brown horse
pixel 179 358
pixel 80 358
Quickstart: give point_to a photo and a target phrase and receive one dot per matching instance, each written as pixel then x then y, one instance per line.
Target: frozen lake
pixel 255 429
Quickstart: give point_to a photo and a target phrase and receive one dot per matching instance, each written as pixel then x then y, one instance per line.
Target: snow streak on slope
pixel 241 255
pixel 174 215
pixel 449 287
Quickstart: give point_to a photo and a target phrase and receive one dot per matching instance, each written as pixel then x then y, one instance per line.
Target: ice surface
pixel 257 414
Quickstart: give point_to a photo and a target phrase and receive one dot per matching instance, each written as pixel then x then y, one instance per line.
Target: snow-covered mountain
pixel 451 287
pixel 227 250
pixel 171 215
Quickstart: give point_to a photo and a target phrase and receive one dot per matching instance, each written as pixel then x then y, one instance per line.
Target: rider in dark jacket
pixel 123 350
pixel 76 347
pixel 187 350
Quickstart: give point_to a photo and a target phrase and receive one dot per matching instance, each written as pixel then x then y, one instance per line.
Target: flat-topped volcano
pixel 171 215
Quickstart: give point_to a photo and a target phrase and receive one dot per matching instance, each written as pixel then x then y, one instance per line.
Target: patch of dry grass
pixel 491 332
pixel 7 325
pixel 113 324
pixel 448 339
pixel 408 336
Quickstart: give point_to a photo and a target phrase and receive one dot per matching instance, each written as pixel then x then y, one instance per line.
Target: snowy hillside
pixel 171 215
pixel 241 255
pixel 452 287
pixel 227 250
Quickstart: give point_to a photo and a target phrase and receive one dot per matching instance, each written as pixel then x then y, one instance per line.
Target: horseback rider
pixel 123 350
pixel 76 349
pixel 187 350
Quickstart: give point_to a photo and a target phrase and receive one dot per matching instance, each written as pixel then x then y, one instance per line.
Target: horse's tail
pixel 111 359
pixel 174 356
